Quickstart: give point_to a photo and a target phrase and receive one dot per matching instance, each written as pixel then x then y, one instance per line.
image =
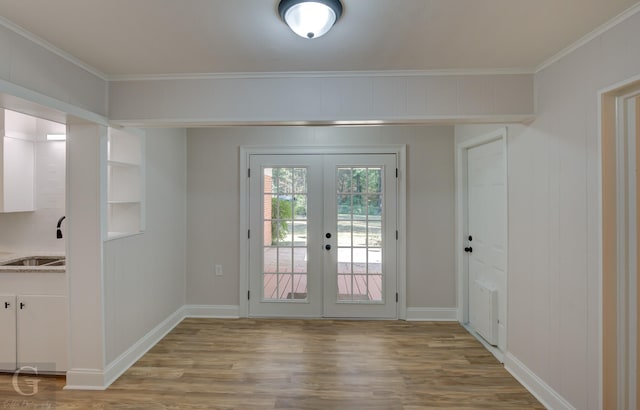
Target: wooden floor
pixel 299 364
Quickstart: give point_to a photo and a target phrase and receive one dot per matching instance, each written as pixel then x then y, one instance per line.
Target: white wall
pixel 321 97
pixel 553 216
pixel 144 275
pixel 36 231
pixel 30 65
pixel 213 204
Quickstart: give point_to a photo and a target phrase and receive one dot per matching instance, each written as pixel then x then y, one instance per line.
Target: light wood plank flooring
pixel 300 364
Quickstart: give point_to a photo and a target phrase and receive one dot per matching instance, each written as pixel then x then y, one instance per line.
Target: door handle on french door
pixel 468 249
pixel 327 247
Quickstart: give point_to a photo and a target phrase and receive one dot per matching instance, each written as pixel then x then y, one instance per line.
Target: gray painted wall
pixel 213 201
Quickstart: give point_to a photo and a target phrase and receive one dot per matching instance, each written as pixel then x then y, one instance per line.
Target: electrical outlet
pixel 218 270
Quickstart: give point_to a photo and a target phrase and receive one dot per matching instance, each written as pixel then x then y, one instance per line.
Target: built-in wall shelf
pixel 125 183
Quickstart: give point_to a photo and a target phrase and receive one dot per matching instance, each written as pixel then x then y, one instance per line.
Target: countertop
pixel 6 256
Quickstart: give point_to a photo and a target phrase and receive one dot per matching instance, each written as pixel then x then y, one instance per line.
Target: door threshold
pixel 495 351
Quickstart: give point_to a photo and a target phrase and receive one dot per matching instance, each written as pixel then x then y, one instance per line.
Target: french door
pixel 323 235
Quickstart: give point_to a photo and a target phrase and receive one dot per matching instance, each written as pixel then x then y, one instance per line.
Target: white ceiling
pixel 152 37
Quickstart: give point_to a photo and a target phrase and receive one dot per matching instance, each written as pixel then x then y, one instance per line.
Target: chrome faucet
pixel 59 231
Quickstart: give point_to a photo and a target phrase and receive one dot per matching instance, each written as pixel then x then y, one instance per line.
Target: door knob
pixel 22 305
pixel 327 247
pixel 6 305
pixel 468 249
pixel 328 235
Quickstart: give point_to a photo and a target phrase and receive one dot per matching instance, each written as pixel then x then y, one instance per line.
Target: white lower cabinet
pixel 38 336
pixel 8 359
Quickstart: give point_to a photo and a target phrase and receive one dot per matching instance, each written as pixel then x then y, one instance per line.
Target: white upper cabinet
pixel 18 162
pixel 125 183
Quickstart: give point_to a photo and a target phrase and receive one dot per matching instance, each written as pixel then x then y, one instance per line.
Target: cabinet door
pixel 8 333
pixel 42 332
pixel 18 183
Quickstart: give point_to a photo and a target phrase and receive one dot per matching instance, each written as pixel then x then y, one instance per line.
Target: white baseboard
pixel 494 350
pixel 120 365
pixel 549 398
pixel 89 379
pixel 432 314
pixel 85 379
pixel 212 311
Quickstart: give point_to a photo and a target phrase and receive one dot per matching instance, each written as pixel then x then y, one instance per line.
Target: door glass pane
pixel 270 286
pixel 285 234
pixel 374 206
pixel 359 206
pixel 299 287
pixel 300 234
pixel 344 233
pixel 269 183
pixel 374 233
pixel 359 180
pixel 285 286
pixel 344 260
pixel 374 261
pixel 300 260
pixel 300 206
pixel 360 218
pixel 344 180
pixel 300 180
pixel 344 207
pixel 374 182
pixel 359 260
pixel 374 287
pixel 285 180
pixel 285 260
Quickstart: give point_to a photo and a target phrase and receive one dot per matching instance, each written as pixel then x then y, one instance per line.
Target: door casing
pixel 246 151
pixel 615 307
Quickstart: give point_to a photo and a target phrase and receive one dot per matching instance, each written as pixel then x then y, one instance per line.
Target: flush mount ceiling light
pixel 310 18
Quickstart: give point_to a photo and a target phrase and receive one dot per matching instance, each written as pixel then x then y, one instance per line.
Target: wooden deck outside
pixel 299 364
pixel 293 284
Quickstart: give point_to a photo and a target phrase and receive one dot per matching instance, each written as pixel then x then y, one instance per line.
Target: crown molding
pixel 50 47
pixel 631 11
pixel 322 74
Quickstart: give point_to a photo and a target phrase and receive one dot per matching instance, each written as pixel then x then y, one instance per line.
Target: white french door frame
pixel 401 256
pixel 462 227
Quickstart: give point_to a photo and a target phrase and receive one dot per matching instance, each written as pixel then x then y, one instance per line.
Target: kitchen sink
pixel 36 261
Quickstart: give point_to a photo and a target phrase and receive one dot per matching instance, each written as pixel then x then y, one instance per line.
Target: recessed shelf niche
pixel 125 183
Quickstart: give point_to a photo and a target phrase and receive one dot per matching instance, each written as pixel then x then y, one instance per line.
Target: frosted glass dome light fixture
pixel 310 18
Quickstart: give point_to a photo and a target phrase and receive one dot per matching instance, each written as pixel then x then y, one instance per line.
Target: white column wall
pixel 85 196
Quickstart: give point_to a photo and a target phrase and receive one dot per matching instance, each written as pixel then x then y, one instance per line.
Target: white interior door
pixel 486 241
pixel 322 236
